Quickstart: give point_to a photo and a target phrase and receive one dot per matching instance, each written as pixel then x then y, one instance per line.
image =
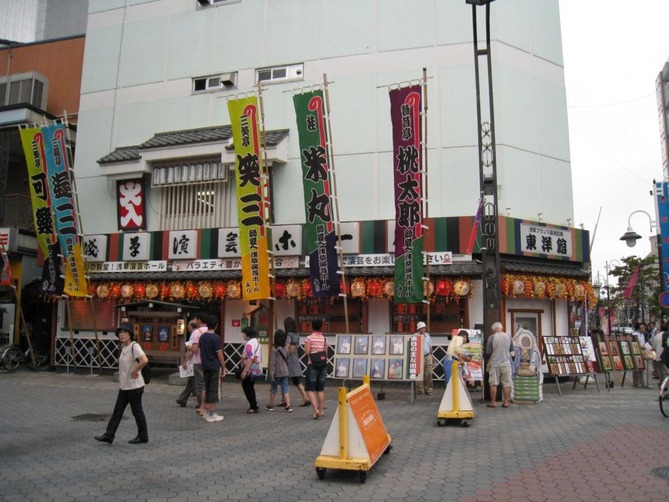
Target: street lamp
pixel 630 237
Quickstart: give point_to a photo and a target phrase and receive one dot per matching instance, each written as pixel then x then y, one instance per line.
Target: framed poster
pixel 395 369
pixel 361 345
pixel 344 344
pixel 378 345
pixel 342 367
pixel 147 332
pixel 397 345
pixel 378 369
pixel 163 333
pixel 359 368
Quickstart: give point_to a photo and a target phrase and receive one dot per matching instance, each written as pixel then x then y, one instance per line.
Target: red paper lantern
pixel 220 289
pixel 191 290
pixel 115 290
pixel 306 288
pixel 280 290
pixel 164 291
pixel 140 291
pixel 444 287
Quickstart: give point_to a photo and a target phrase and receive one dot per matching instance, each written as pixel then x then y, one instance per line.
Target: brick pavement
pixel 581 446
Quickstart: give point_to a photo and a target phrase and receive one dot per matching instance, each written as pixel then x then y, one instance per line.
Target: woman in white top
pixel 130 364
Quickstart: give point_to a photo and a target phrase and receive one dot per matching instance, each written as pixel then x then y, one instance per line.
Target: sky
pixel 613 51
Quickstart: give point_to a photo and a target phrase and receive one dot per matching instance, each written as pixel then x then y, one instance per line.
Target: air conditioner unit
pixel 229 79
pixel 30 88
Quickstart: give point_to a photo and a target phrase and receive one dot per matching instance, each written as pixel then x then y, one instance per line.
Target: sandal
pixel 490 405
pixel 315 416
pixel 305 404
pixel 251 411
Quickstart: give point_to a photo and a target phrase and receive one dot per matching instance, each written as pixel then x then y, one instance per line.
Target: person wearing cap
pixel 426 385
pixel 131 383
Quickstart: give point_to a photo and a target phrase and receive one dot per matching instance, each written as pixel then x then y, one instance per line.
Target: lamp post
pixel 487 170
pixel 630 237
pixel 597 286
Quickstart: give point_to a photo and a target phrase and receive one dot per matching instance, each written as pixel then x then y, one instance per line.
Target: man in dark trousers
pixel 213 369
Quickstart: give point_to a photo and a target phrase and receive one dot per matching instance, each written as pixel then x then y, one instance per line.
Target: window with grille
pixel 193 195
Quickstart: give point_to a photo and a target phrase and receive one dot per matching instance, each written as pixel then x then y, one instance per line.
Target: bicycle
pixel 12 357
pixel 664 397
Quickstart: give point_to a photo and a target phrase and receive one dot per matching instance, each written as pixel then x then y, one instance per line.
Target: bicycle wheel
pixel 41 358
pixel 11 358
pixel 664 397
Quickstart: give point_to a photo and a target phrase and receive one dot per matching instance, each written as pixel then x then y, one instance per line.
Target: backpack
pixel 146 370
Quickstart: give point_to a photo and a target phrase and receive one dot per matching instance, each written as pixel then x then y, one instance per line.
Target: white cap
pixel 421 324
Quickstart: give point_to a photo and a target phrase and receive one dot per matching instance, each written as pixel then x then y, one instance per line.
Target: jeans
pixel 448 369
pixel 281 381
pixel 134 398
pixel 248 385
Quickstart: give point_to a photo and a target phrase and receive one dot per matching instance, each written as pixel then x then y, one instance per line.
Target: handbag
pixel 238 372
pixel 318 360
pixel 146 370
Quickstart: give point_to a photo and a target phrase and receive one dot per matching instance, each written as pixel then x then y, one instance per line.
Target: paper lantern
pixel 234 290
pixel 444 287
pixel 164 291
pixel 103 291
pixel 358 288
pixel 127 291
pixel 140 291
pixel 306 288
pixel 293 288
pixel 220 289
pixel 115 290
pixel 280 289
pixel 205 290
pixel 152 291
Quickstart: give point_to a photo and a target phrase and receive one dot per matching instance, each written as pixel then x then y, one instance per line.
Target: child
pixel 278 370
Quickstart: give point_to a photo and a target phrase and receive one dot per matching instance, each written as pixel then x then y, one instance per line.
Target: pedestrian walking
pixel 315 347
pixel 131 387
pixel 252 367
pixel 278 372
pixel 192 387
pixel 294 364
pixel 213 369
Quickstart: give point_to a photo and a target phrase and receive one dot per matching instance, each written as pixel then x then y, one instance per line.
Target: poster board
pixel 473 369
pixel 589 354
pixel 390 356
pixel 564 356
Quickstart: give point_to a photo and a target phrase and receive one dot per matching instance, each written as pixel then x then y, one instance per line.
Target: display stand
pixel 357 436
pixel 565 357
pixel 456 404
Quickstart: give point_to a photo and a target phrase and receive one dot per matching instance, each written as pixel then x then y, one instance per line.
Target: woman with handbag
pixel 251 367
pixel 315 347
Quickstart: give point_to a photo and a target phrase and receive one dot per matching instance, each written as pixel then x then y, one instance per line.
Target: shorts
pixel 211 378
pixel 283 382
pixel 198 378
pixel 316 378
pixel 502 374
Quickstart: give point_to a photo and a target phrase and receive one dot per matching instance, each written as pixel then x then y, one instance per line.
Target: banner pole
pixel 426 229
pixel 75 194
pixel 268 217
pixel 335 199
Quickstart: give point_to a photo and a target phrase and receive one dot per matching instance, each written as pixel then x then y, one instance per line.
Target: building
pixel 153 120
pixel 40 83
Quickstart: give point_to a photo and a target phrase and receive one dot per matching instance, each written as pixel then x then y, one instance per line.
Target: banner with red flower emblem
pixel 405 113
pixel 320 236
pixel 251 203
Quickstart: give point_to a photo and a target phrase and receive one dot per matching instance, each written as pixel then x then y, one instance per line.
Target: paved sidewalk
pixel 584 445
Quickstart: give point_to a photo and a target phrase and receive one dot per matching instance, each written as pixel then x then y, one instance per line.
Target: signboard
pixel 662 209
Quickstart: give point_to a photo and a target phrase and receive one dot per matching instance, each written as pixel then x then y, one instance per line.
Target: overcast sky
pixel 613 52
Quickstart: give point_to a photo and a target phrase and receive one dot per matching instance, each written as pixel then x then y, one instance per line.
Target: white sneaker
pixel 213 417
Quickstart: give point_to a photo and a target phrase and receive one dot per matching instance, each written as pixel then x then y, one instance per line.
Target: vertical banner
pixel 405 113
pixel 250 198
pixel 32 140
pixel 6 278
pixel 64 209
pixel 662 210
pixel 319 232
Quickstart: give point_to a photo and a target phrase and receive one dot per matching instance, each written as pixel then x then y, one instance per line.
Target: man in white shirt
pixel 426 385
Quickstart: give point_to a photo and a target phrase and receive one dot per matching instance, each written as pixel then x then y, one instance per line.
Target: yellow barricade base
pixel 456 402
pixel 357 436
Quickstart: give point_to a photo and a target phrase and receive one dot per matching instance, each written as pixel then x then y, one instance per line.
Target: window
pixel 193 195
pixel 215 82
pixel 283 73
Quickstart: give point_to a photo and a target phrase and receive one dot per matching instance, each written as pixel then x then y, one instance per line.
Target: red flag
pixel 475 228
pixel 630 285
pixel 6 277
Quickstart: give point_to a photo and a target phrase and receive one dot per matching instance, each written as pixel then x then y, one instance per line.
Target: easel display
pixel 564 357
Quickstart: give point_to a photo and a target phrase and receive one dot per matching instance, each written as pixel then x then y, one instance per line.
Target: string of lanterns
pixel 444 288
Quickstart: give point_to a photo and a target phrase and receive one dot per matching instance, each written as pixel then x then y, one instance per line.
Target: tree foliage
pixel 645 291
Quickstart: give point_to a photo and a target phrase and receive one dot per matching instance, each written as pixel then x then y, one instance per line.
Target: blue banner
pixel 662 208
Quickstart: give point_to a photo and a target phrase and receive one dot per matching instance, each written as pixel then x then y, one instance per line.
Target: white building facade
pixel 156 79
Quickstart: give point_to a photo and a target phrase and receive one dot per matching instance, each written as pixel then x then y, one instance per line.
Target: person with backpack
pixel 278 371
pixel 131 383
